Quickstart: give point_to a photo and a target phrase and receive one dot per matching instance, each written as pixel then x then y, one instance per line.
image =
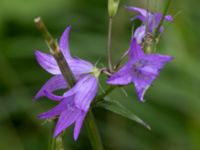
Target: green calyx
pixel 95 72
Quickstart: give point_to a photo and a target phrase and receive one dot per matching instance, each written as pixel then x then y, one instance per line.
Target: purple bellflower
pixel 153 22
pixel 141 69
pixel 75 103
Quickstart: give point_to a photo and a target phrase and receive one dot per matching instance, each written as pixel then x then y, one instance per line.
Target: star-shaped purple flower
pixel 153 22
pixel 75 103
pixel 141 69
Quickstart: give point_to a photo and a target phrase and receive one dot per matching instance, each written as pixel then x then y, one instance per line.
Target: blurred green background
pixel 173 102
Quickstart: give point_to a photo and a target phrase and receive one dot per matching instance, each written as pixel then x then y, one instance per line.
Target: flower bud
pixel 113 7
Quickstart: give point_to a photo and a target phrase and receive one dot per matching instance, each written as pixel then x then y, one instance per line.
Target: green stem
pixel 70 79
pixel 59 143
pixel 109 44
pixel 108 90
pixel 120 60
pixel 93 133
pixel 51 138
pixel 162 19
pixel 147 18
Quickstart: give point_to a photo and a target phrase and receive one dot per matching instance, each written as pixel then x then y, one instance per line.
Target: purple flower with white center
pixel 75 103
pixel 153 22
pixel 141 69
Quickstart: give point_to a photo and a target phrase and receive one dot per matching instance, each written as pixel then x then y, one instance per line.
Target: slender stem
pixel 51 138
pixel 162 19
pixel 147 18
pixel 108 90
pixel 93 133
pixel 120 60
pixel 101 97
pixel 109 44
pixel 70 79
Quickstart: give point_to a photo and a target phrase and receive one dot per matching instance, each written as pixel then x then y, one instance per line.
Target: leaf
pixel 118 108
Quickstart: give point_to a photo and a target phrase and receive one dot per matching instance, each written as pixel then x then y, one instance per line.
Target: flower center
pixel 136 67
pixel 96 72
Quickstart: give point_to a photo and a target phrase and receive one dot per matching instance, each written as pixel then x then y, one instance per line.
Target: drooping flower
pixel 141 69
pixel 74 104
pixel 153 20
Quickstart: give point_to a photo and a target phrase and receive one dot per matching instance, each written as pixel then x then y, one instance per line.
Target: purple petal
pixel 53 96
pixel 86 89
pixel 148 72
pixel 80 67
pixel 78 125
pixel 140 34
pixel 169 18
pixel 157 61
pixel 47 62
pixel 122 77
pixel 142 83
pixel 55 83
pixel 135 51
pixel 57 110
pixel 67 118
pixel 157 17
pixel 143 12
pixel 64 43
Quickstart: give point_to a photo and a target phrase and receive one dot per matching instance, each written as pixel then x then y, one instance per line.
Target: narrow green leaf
pixel 118 108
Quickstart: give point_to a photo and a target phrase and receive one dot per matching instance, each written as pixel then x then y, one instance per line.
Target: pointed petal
pixel 135 51
pixel 67 118
pixel 78 125
pixel 142 12
pixel 122 77
pixel 86 89
pixel 47 62
pixel 55 83
pixel 149 72
pixel 64 43
pixel 80 67
pixel 142 83
pixel 157 61
pixel 57 109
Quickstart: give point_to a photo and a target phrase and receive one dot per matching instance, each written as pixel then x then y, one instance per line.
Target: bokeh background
pixel 173 102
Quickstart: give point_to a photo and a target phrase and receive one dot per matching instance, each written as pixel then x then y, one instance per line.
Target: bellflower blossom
pixel 153 22
pixel 141 69
pixel 75 103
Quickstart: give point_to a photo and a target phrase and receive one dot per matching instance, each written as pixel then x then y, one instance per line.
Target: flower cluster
pixel 141 69
pixel 75 103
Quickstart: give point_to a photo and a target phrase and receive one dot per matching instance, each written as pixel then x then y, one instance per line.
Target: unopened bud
pixel 113 7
